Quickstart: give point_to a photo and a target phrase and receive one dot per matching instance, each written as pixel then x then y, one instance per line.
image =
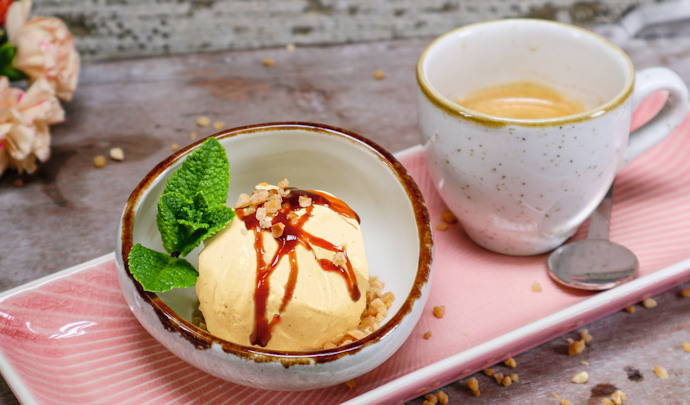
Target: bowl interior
pixel 319 159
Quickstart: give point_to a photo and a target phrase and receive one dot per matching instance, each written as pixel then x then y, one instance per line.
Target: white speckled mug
pixel 523 186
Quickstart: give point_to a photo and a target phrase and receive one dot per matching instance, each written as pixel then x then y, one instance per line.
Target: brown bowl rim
pixel 202 339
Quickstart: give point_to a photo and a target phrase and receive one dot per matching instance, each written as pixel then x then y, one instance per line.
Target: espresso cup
pixel 525 173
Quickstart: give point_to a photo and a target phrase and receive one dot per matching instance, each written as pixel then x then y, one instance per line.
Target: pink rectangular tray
pixel 70 337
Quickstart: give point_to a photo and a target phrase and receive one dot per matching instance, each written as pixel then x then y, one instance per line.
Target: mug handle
pixel 666 121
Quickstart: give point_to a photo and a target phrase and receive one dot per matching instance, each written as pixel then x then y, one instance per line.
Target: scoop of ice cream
pixel 292 279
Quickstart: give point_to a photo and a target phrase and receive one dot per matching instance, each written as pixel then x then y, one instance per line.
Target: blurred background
pixel 106 29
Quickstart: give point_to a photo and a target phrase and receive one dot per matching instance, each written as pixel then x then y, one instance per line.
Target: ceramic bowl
pixel 397 236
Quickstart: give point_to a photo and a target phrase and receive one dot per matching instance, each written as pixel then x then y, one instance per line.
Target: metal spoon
pixel 594 263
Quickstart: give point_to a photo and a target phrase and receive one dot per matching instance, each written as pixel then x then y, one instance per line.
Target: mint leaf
pixel 191 209
pixel 199 184
pixel 171 207
pixel 158 272
pixel 184 224
pixel 204 170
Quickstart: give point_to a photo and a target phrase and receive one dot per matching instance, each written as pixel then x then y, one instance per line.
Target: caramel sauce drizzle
pixel 293 235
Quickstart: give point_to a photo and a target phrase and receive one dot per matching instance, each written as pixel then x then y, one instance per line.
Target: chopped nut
pixel 203 121
pixel 489 371
pixel 294 218
pixel 427 335
pixel 536 287
pixel 661 372
pixel 351 384
pixel 619 397
pixel 249 211
pixel 442 226
pixel 649 303
pixel 377 307
pixel 268 62
pixel 261 213
pixel 685 292
pixel 174 147
pixel 339 259
pixel 498 377
pixel 686 346
pixel 273 204
pixel 507 381
pixel 242 201
pixel 284 183
pixel 442 398
pixel 576 347
pixel 277 230
pixel 514 377
pixel 356 334
pixel 117 154
pixel 448 217
pixel 439 311
pixel 192 136
pixel 99 161
pixel 473 384
pixel 510 362
pixel 388 299
pixel 304 201
pixel 431 399
pixel 258 197
pixel 585 336
pixel 580 378
pixel 630 309
pixel 266 223
pixel 379 74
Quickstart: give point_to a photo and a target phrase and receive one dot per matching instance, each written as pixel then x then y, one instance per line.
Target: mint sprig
pixel 191 209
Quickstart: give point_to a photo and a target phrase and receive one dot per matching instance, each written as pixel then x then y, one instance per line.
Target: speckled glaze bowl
pixel 397 236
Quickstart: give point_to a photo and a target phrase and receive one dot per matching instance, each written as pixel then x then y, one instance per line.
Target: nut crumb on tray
pixel 580 378
pixel 536 287
pixel 439 311
pixel 576 347
pixel 661 372
pixel 649 303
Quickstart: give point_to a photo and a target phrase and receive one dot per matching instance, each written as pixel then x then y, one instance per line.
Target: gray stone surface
pixel 107 29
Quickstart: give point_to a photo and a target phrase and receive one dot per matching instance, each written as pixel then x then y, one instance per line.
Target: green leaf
pixel 171 207
pixel 158 272
pixel 190 209
pixel 205 170
pixel 12 73
pixel 7 54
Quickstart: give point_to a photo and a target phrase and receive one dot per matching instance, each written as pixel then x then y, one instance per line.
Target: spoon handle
pixel 600 219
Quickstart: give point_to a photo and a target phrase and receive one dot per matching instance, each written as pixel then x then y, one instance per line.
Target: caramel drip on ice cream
pixel 292 236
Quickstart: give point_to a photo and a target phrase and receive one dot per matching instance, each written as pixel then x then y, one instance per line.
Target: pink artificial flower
pixel 45 49
pixel 24 124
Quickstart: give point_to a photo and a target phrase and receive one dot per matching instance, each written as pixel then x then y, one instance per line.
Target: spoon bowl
pixel 595 263
pixel 592 264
